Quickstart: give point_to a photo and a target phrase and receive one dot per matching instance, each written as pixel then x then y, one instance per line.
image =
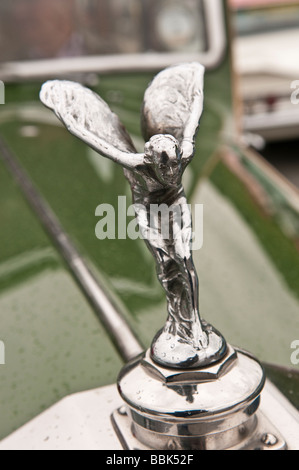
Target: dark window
pixel 41 29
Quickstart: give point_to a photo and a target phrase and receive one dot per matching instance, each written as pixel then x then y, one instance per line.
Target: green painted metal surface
pixel 54 344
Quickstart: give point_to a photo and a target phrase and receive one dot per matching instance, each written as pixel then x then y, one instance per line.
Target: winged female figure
pixel 170 117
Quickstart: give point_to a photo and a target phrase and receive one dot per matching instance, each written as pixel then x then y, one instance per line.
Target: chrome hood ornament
pixel 171 112
pixel 191 390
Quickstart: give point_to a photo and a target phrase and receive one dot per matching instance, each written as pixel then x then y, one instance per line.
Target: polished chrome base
pixel 176 352
pixel 211 408
pixel 264 437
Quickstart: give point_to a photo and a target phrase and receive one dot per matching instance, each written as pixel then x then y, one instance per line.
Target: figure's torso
pixel 146 189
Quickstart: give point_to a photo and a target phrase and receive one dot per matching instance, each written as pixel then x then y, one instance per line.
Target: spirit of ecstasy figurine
pixel 191 390
pixel 171 112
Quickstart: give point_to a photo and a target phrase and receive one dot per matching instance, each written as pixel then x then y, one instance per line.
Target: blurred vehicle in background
pixel 38 30
pixel 267 60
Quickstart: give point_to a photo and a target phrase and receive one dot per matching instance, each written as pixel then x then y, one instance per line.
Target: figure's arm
pixel 103 147
pixel 90 119
pixel 188 142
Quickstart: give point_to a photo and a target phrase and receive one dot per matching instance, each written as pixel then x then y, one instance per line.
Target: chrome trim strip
pixel 109 314
pixel 55 68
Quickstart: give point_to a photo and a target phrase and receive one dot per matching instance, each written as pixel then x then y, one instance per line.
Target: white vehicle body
pixel 268 66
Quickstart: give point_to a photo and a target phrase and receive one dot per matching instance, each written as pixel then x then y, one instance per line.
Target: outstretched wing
pixel 90 119
pixel 173 104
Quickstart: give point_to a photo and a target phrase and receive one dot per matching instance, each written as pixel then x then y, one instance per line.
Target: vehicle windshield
pixel 266 19
pixel 43 29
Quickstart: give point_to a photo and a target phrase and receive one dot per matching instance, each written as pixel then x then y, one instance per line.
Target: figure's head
pixel 163 154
